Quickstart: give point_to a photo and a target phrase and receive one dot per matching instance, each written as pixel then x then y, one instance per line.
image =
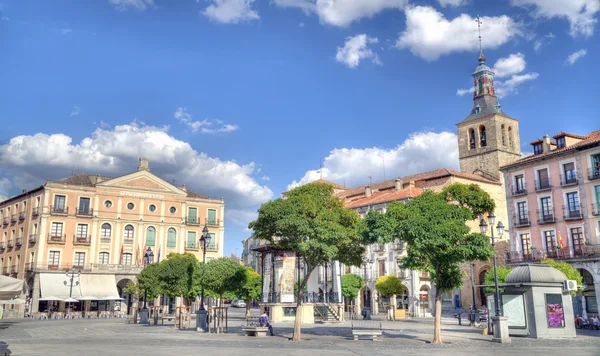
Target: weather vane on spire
pixel 478 20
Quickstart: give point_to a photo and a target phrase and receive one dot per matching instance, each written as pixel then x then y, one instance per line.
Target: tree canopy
pixel 179 275
pixel 351 285
pixel 568 270
pixel 434 225
pixel 313 223
pixel 389 286
pixel 489 279
pixel 223 275
pixel 149 282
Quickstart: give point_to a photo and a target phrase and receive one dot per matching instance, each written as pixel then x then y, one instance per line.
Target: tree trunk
pixel 437 328
pixel 298 319
pixel 248 309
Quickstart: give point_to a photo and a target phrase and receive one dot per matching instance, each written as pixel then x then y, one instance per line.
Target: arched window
pixel 482 136
pixel 171 238
pixel 105 231
pixel 503 135
pixel 471 139
pixel 128 233
pixel 150 236
pixel 126 259
pixel 103 258
pixel 510 137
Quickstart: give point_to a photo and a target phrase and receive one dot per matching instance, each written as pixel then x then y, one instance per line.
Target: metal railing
pixel 32 238
pixel 10 243
pixel 84 212
pixel 59 210
pixel 579 252
pixel 210 247
pixel 22 216
pixel 546 216
pixel 568 179
pixel 5 270
pixel 541 185
pixel 35 212
pixel 595 209
pixel 13 218
pixel 193 246
pixel 213 222
pixel 522 219
pixel 593 173
pixel 86 267
pixel 192 220
pixel 19 241
pixel 5 220
pixel 56 239
pixel 2 247
pixel 572 214
pixel 82 239
pixel 517 192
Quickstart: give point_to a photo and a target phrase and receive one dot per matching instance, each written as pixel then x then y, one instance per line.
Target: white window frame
pixel 50 259
pixel 75 254
pixel 514 180
pixel 103 231
pixel 101 260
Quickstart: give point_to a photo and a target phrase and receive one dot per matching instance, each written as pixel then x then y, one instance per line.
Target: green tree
pixel 351 286
pixel 389 286
pixel 434 225
pixel 568 270
pixel 489 279
pixel 251 289
pixel 149 282
pixel 179 276
pixel 313 223
pixel 222 275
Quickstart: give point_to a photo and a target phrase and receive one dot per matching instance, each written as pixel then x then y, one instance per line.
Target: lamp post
pixel 500 322
pixel 326 294
pixel 202 314
pixel 71 280
pixel 366 313
pixel 148 259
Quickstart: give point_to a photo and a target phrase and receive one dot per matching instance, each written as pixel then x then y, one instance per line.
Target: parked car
pixel 227 301
pixel 238 304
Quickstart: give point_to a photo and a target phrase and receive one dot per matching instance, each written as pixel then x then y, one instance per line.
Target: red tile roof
pixel 589 139
pixel 568 134
pixel 384 197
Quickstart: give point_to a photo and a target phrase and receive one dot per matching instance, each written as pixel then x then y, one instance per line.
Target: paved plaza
pixel 410 337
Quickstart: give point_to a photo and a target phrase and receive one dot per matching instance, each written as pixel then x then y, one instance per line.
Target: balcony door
pixel 59 203
pixel 522 213
pixel 569 172
pixel 578 241
pixel 573 204
pixel 519 184
pixel 84 205
pixel 546 205
pixel 526 246
pixel 550 238
pixel 543 178
pixel 193 215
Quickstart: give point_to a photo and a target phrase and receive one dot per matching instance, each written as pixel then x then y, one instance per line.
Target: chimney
pixel 183 187
pixel 411 184
pixel 144 165
pixel 368 190
pixel 399 184
pixel 546 144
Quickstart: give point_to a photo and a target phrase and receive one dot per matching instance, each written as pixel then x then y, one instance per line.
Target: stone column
pixel 35 296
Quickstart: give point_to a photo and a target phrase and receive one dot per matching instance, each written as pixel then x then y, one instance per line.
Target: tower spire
pixel 481 56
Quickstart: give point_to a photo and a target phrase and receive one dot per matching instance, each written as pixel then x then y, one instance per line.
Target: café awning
pixel 10 287
pixel 53 284
pixel 98 286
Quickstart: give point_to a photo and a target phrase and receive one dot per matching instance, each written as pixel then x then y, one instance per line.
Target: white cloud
pixel 511 86
pixel 513 64
pixel 75 112
pixel 31 159
pixel 342 12
pixel 5 187
pixel 240 217
pixel 267 178
pixel 580 13
pixel 539 43
pixel 231 11
pixel 356 49
pixel 204 126
pixel 429 34
pixel 123 5
pixel 462 92
pixel 454 3
pixel 420 152
pixel 576 56
pixel 66 31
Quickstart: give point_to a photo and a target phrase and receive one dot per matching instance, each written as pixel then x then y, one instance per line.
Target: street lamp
pixel 201 314
pixel 71 280
pixel 148 259
pixel 500 322
pixel 367 309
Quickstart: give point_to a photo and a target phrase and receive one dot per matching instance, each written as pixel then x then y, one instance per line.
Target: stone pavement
pixel 411 337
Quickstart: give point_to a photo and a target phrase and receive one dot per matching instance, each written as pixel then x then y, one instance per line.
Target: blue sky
pixel 242 99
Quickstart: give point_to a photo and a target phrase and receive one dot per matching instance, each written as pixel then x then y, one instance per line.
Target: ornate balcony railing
pixel 192 246
pixel 593 173
pixel 569 179
pixel 5 220
pixel 586 251
pixel 13 218
pixel 59 210
pixel 10 243
pixel 22 216
pixel 32 238
pixel 541 185
pixel 522 219
pixel 19 241
pixel 596 209
pixel 84 212
pixel 56 238
pixel 213 222
pixel 105 239
pixel 546 216
pixel 35 212
pixel 576 214
pixel 517 191
pixel 82 239
pixel 192 220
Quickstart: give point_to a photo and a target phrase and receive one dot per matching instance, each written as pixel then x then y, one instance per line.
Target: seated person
pixel 596 321
pixel 263 320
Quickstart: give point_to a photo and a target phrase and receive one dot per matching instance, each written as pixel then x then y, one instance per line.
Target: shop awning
pixel 10 287
pixel 53 284
pixel 98 286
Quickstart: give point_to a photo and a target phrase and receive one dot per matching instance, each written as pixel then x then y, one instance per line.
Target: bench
pixel 168 317
pixel 251 327
pixel 372 329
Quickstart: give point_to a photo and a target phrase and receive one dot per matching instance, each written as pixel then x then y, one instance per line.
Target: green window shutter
pixel 172 238
pixel 191 239
pixel 212 217
pixel 213 242
pixel 193 215
pixel 150 236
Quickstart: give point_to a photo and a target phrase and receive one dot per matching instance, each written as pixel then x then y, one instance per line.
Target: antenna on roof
pixel 383 161
pixel 370 180
pixel 321 170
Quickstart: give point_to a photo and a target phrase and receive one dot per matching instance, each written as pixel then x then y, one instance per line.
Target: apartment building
pixel 101 227
pixel 553 199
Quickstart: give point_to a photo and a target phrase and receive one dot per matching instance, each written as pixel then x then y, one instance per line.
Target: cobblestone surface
pixel 412 337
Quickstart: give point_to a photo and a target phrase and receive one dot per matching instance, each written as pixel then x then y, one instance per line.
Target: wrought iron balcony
pixel 54 238
pixel 5 220
pixel 10 243
pixel 569 214
pixel 59 210
pixel 84 212
pixel 517 191
pixel 35 212
pixel 596 209
pixel 32 238
pixel 192 246
pixel 593 173
pixel 2 247
pixel 19 241
pixel 522 219
pixel 378 247
pixel 541 185
pixel 82 239
pixel 569 179
pixel 13 218
pixel 212 222
pixel 22 216
pixel 546 217
pixel 192 220
pixel 211 247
